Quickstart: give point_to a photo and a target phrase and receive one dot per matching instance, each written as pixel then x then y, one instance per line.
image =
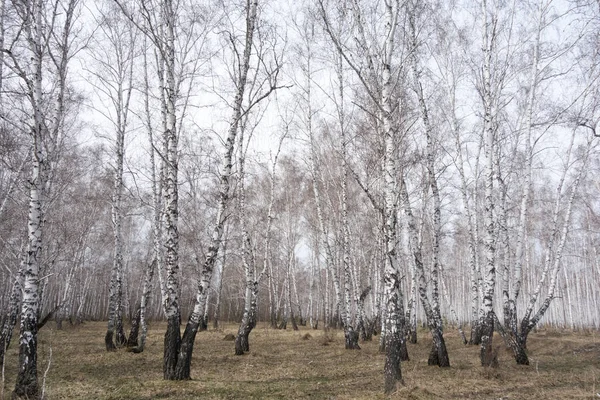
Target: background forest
pixel 360 165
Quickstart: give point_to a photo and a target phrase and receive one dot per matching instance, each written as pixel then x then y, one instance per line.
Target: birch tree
pixel 253 276
pixel 113 58
pixel 41 57
pixel 306 52
pixel 439 354
pixel 238 110
pixel 378 81
pixel 489 33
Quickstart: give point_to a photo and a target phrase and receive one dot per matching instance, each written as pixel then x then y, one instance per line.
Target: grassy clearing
pixel 294 365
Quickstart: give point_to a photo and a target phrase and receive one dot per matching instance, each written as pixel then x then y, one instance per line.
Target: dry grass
pixel 281 365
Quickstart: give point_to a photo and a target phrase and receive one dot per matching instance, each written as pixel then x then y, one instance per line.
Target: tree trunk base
pixel 27 386
pixel 412 335
pixel 203 325
pixel 120 337
pixel 108 341
pixel 403 351
pixel 172 346
pixel 520 350
pixel 351 337
pixel 475 339
pixel 392 371
pixel 438 354
pixel 488 357
pixel 132 341
pixel 184 357
pixel 242 344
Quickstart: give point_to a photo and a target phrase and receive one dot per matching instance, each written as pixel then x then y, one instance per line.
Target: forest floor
pixel 306 364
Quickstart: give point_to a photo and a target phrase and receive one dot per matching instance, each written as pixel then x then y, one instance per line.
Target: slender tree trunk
pixel 395 338
pixel 439 353
pixel 27 380
pixel 217 312
pixel 553 256
pixel 115 321
pixel 172 340
pixel 242 343
pixel 291 270
pixel 137 340
pixel 487 328
pixel 157 184
pixel 187 342
pixel 14 306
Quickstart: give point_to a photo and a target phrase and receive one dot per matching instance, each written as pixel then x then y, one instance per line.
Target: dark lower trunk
pixel 5 336
pixel 10 320
pixel 463 337
pixel 294 324
pixel 412 333
pixel 334 321
pixel 351 337
pixel 27 381
pixel 438 354
pixel 514 341
pixel 475 338
pixel 108 340
pixel 283 323
pixel 273 318
pixel 184 358
pixel 203 325
pixel 132 341
pixel 171 347
pixel 519 351
pixel 392 371
pixel 488 357
pixel 3 347
pixel 369 329
pixel 524 335
pixel 242 342
pixel 404 350
pixel 521 348
pixel 120 338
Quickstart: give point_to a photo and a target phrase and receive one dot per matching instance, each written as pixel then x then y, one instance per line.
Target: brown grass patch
pixel 279 366
pixel 230 337
pixel 327 337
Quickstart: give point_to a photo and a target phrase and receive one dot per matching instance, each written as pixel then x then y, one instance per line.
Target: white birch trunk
pixel 395 339
pixel 489 273
pixel 350 290
pixel 438 355
pixel 552 265
pixel 27 380
pixel 171 198
pixel 185 353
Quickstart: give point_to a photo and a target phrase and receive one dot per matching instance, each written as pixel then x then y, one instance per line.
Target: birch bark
pixel 121 98
pixel 489 276
pixel 45 128
pixel 185 352
pixel 380 90
pixel 439 354
pixel 253 277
